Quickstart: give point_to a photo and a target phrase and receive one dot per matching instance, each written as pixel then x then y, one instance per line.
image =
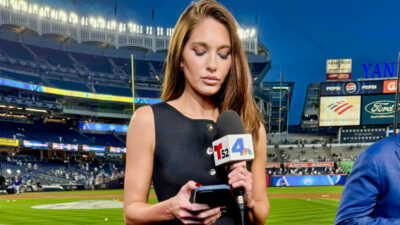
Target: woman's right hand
pixel 193 213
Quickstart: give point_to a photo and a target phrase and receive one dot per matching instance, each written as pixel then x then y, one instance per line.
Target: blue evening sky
pixel 300 35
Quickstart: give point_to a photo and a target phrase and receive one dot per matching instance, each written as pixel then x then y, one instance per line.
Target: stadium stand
pixel 68 85
pixel 15 50
pixel 113 90
pixel 94 62
pixel 22 77
pixel 55 132
pixel 56 58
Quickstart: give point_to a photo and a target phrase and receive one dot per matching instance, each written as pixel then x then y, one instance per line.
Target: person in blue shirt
pixel 372 192
pixel 17 183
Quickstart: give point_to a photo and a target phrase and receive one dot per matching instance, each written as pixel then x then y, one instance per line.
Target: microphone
pixel 233 145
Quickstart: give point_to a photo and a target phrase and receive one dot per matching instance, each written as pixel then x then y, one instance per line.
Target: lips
pixel 210 80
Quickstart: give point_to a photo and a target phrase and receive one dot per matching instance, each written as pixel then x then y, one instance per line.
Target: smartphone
pixel 213 195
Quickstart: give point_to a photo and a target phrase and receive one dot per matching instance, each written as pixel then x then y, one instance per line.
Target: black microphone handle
pixel 239 194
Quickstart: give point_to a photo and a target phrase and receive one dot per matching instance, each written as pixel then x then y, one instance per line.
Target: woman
pixel 170 143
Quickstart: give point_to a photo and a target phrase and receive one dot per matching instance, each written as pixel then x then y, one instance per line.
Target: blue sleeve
pixel 361 195
pixel 371 221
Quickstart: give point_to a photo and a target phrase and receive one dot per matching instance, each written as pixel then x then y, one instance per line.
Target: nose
pixel 212 63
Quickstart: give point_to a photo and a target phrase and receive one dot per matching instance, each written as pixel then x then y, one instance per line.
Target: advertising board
pixel 351 88
pixel 338 69
pixel 317 180
pixel 9 142
pixel 340 111
pixel 377 109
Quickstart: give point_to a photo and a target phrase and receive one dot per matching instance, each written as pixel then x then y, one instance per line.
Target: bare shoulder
pixel 141 132
pixel 143 116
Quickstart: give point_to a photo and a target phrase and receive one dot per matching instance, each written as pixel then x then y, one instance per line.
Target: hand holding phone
pixel 213 195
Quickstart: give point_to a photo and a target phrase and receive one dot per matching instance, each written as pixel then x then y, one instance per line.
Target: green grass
pixel 305 190
pixel 303 211
pixel 20 212
pixel 291 211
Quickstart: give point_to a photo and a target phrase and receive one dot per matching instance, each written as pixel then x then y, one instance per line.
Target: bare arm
pixel 258 212
pixel 140 143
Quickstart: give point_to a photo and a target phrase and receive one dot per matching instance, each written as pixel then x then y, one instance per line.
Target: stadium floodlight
pixel 240 32
pixel 62 16
pixel 122 27
pixel 18 171
pixel 73 18
pixel 92 22
pixel 252 32
pixel 84 21
pixel 160 31
pixel 47 11
pixel 111 25
pixel 33 9
pixel 23 6
pixel 14 5
pixel 149 30
pixel 8 171
pixel 54 14
pixel 132 27
pixel 41 12
pixel 280 88
pixel 36 110
pixel 170 31
pixel 101 23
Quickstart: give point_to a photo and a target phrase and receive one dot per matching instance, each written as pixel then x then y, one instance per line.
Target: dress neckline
pixel 183 115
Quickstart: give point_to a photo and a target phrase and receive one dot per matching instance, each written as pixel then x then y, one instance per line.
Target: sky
pixel 300 35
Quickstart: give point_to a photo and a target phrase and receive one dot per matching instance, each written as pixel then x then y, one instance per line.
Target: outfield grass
pixel 303 211
pixel 291 211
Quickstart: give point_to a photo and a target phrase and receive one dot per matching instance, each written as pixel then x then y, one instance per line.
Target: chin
pixel 209 92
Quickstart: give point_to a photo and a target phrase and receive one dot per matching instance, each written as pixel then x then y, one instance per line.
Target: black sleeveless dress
pixel 183 152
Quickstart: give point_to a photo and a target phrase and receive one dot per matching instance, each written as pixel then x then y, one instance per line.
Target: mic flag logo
pixel 233 147
pixel 239 147
pixel 340 107
pixel 221 153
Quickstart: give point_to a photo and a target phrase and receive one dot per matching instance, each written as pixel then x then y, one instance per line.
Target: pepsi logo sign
pixel 351 88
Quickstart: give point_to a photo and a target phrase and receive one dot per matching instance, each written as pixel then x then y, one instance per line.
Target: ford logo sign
pixel 380 107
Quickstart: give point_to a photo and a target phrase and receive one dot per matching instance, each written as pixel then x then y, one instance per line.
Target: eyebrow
pixel 206 45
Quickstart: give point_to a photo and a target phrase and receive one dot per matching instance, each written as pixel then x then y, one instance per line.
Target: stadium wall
pixel 41 42
pixel 85 49
pixel 8 35
pixel 122 53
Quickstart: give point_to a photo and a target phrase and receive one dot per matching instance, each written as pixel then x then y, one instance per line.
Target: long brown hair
pixel 237 91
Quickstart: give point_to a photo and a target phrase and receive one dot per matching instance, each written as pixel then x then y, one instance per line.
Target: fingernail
pixel 198 185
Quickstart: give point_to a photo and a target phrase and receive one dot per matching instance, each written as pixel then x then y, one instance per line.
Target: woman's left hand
pixel 239 176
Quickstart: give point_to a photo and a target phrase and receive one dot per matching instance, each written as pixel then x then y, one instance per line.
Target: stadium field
pixel 290 205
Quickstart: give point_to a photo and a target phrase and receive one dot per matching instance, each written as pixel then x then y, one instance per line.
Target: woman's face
pixel 206 57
